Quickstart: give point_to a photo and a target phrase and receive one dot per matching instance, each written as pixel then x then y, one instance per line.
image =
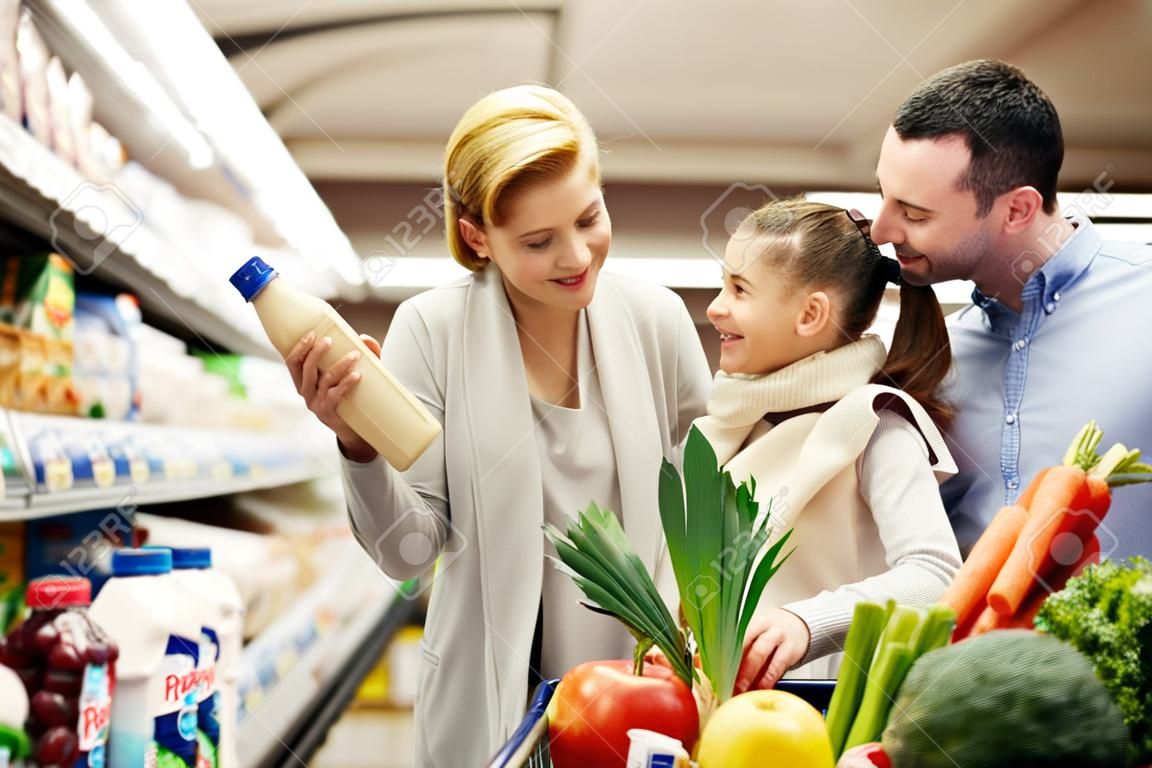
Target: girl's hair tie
pixel 889 267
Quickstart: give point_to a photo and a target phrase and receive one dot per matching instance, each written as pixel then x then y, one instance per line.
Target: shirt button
pixel 1020 344
pixel 1012 485
pixel 1050 307
pixel 1010 418
pixel 1056 296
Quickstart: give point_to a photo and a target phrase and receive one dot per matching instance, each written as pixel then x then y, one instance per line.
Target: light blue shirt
pixel 1024 384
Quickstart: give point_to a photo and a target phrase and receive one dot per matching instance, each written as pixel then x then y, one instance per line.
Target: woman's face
pixel 552 242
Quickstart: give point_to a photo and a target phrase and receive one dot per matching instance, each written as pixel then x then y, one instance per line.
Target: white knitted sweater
pixel 853 468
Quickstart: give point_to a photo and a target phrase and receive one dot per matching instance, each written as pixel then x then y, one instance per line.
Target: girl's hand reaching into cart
pixel 776 639
pixel 323 390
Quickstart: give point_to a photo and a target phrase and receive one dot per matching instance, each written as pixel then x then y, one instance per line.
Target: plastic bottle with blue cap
pixel 379 409
pixel 156 626
pixel 221 643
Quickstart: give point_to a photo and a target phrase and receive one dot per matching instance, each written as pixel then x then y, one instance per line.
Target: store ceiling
pixel 681 91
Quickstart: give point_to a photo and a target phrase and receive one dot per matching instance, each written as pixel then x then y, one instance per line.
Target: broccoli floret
pixel 1106 614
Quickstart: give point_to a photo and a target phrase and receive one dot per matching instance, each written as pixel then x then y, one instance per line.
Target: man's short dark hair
pixel 1010 126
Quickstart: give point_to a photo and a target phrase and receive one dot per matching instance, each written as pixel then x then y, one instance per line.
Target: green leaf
pixel 671 502
pixel 765 570
pixel 702 495
pixel 597 555
pixel 714 543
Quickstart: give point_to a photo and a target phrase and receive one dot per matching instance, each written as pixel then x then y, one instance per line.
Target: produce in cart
pixel 1032 548
pixel 598 702
pixel 1006 699
pixel 1106 613
pixel 715 536
pixel 883 643
pixel 761 728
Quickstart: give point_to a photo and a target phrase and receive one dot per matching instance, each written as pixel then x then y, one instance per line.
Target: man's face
pixel 927 218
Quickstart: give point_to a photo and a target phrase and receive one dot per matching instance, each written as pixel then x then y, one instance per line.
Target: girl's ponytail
pixel 920 355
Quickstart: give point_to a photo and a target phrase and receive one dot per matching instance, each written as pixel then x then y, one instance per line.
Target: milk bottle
pixel 156 626
pixel 221 643
pixel 379 409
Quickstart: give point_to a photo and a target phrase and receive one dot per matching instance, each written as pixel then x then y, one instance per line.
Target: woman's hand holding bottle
pixel 324 390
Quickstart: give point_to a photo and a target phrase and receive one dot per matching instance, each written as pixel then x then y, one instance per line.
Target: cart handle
pixel 533 720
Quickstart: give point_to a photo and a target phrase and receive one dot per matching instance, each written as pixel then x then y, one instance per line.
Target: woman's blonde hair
pixel 509 140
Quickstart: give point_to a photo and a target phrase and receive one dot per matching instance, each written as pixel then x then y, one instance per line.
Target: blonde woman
pixel 555 384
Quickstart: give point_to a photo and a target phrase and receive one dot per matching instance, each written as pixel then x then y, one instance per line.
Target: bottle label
pixel 95 716
pixel 175 697
pixel 208 700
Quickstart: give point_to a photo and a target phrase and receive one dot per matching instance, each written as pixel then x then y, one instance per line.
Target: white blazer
pixel 475 497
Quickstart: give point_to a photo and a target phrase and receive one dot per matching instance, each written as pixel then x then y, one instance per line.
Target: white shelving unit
pixel 66 464
pixel 47 197
pixel 296 674
pixel 163 88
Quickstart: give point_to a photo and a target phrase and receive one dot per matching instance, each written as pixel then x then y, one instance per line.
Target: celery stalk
pixel 888 673
pixel 867 625
pixel 937 630
pixel 903 627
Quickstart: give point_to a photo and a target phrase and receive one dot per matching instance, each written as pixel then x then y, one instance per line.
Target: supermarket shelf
pixel 124 91
pixel 121 496
pixel 301 673
pixel 65 464
pixel 163 87
pixel 103 233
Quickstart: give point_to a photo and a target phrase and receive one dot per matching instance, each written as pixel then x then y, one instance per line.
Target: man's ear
pixel 475 237
pixel 1021 206
pixel 815 315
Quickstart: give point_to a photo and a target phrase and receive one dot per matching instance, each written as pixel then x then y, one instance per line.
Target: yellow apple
pixel 765 728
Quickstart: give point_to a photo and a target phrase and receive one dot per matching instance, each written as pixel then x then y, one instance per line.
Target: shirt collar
pixel 1058 273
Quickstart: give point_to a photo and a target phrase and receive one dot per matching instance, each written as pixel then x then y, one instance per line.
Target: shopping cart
pixel 528 747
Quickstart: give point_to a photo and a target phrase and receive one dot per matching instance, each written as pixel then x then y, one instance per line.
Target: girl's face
pixel 552 243
pixel 764 324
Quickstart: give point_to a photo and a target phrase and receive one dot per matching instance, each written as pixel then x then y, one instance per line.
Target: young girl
pixel 555 384
pixel 838 433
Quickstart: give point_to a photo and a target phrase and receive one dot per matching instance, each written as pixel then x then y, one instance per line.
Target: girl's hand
pixel 323 390
pixel 776 639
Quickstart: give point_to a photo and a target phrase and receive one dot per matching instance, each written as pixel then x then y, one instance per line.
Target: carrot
pixel 964 630
pixel 1025 618
pixel 988 621
pixel 1064 490
pixel 1025 499
pixel 1099 502
pixel 967 592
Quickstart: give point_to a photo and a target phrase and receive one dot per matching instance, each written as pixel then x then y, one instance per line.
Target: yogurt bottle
pixel 221 642
pixel 379 409
pixel 158 683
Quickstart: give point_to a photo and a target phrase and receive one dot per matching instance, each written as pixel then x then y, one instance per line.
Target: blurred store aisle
pixel 369 738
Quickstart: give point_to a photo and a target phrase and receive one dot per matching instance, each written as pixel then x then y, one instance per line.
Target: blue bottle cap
pixel 252 277
pixel 141 562
pixel 191 558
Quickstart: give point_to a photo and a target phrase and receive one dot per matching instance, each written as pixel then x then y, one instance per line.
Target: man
pixel 1058 332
